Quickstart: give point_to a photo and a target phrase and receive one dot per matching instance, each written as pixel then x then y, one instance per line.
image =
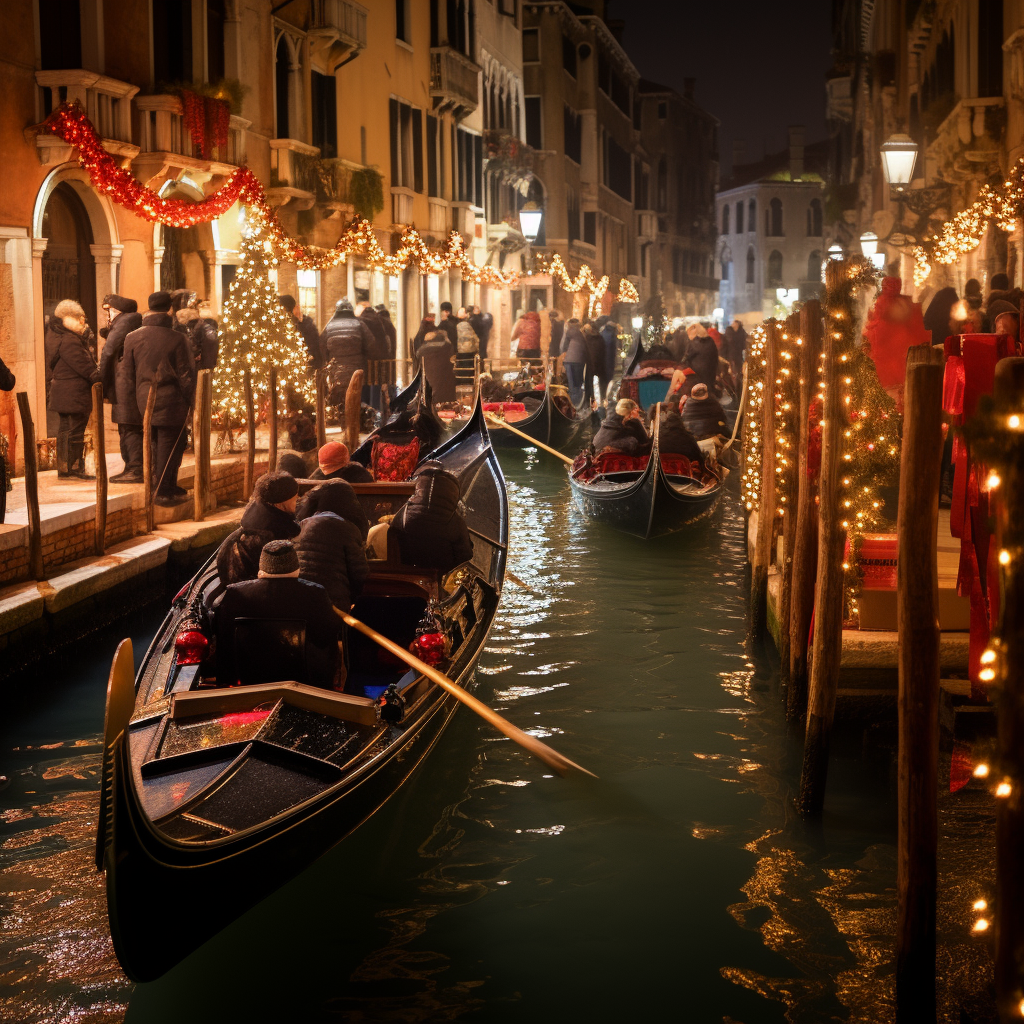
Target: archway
pixel 69 271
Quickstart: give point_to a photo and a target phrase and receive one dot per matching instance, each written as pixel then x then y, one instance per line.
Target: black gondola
pixel 537 424
pixel 646 501
pixel 416 394
pixel 213 798
pixel 565 433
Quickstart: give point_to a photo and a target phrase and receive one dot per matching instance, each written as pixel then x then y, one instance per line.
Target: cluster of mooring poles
pixel 794 364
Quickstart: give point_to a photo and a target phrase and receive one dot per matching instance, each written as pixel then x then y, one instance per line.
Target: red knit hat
pixel 331 457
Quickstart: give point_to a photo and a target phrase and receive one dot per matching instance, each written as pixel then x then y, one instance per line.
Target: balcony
pixel 967 142
pixel 294 173
pixel 464 219
pixel 106 101
pixel 454 81
pixel 167 149
pixel 438 217
pixel 401 206
pixel 647 225
pixel 337 31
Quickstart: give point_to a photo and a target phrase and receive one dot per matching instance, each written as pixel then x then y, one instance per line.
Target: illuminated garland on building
pixel 257 333
pixel 70 123
pixel 584 281
pixel 962 234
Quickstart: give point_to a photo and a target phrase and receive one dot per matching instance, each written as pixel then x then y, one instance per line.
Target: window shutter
pixel 417 150
pixel 395 163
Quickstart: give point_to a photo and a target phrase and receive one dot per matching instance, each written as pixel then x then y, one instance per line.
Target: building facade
pixel 676 200
pixel 771 240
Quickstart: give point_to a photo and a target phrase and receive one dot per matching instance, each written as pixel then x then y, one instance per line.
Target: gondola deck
pixel 213 798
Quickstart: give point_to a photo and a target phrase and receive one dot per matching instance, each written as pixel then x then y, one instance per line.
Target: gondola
pixel 536 424
pixel 566 433
pixel 645 497
pixel 416 393
pixel 212 798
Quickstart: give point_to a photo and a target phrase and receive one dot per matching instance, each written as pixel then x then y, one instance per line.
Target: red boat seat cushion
pixel 394 461
pixel 679 465
pixel 610 461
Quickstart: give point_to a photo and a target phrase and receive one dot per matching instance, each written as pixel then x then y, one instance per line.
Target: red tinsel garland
pixel 71 124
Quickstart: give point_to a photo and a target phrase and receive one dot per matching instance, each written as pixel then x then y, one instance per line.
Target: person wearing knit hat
pixel 293 464
pixel 702 414
pixel 160 302
pixel 334 464
pixel 270 515
pixel 256 622
pixel 1005 318
pixel 123 317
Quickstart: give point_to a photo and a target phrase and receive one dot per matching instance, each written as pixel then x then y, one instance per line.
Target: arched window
pixel 282 72
pixel 814 266
pixel 739 217
pixel 725 219
pixel 750 263
pixel 773 218
pixel 775 269
pixel 725 270
pixel 752 215
pixel 814 218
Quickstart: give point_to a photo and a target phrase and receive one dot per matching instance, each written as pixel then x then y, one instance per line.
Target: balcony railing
pixel 333 182
pixel 106 101
pixel 464 219
pixel 162 130
pixel 345 18
pixel 401 206
pixel 293 164
pixel 647 224
pixel 454 79
pixel 438 216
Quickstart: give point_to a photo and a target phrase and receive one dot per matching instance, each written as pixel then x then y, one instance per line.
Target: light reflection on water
pixel 678 887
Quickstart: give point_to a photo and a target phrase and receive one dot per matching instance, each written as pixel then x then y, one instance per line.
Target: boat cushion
pixel 394 461
pixel 504 407
pixel 678 465
pixel 611 461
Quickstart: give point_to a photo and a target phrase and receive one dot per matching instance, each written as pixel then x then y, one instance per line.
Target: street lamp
pixel 530 217
pixel 869 244
pixel 899 155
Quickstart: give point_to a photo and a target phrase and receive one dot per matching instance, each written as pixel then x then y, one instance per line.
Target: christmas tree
pixel 257 333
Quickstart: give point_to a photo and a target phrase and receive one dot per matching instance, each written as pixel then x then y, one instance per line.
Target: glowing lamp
pixel 869 244
pixel 529 220
pixel 638 322
pixel 899 155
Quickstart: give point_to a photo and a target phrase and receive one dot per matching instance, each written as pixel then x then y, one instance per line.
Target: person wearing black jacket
pixel 333 463
pixel 346 342
pixel 437 355
pixel 430 529
pixel 73 372
pixel 390 332
pixel 595 361
pixel 703 414
pixel 7 380
pixel 270 515
pixel 157 356
pixel 277 594
pixel 124 318
pixel 623 430
pixel 331 545
pixel 483 324
pixel 701 354
pixel 675 439
pixel 449 324
pixel 306 328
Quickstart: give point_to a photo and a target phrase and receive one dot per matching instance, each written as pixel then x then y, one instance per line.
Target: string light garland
pixel 257 333
pixel 750 484
pixel 962 234
pixel 787 401
pixel 70 123
pixel 585 281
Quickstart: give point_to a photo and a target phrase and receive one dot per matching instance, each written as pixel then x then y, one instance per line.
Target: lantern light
pixel 899 155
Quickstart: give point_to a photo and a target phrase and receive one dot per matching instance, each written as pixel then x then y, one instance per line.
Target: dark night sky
pixel 760 67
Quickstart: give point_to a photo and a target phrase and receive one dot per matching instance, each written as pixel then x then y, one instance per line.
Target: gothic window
pixel 775 269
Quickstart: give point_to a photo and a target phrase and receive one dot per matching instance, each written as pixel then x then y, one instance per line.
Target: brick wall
pixel 14 565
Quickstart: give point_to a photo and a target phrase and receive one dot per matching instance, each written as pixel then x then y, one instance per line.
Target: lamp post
pixel 530 217
pixel 899 157
pixel 869 248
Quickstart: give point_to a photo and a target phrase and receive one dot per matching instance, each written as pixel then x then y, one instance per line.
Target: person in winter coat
pixel 430 529
pixel 938 317
pixel 278 593
pixel 436 355
pixel 307 330
pixel 734 346
pixel 468 347
pixel 346 342
pixel 483 324
pixel 335 496
pixel 574 358
pixel 389 329
pixel 623 430
pixel 449 324
pixel 7 380
pixel 331 546
pixel 72 372
pixel 124 318
pixel 557 331
pixel 675 439
pixel 157 356
pixel 526 332
pixel 201 332
pixel 333 463
pixel 610 334
pixel 594 344
pixel 701 354
pixel 703 415
pixel 270 515
pixel 427 326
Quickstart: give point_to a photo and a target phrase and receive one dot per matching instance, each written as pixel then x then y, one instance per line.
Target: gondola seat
pixel 679 465
pixel 389 461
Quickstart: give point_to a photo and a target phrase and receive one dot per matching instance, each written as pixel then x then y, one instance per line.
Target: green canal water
pixel 680 886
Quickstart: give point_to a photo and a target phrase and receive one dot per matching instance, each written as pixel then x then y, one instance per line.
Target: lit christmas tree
pixel 257 333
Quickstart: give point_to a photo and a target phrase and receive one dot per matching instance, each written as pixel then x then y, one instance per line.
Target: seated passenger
pixel 270 515
pixel 331 547
pixel 703 414
pixel 338 497
pixel 334 464
pixel 675 439
pixel 278 627
pixel 293 464
pixel 623 430
pixel 679 388
pixel 430 529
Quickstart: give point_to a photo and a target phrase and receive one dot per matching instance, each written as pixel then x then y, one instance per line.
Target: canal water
pixel 679 886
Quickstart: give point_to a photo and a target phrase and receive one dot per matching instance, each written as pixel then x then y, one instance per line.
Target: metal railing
pixel 454 76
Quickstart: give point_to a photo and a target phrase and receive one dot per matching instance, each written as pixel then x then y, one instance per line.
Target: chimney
pixel 796 152
pixel 739 154
pixel 689 84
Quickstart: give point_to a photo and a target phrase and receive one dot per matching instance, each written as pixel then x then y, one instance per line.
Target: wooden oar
pixel 739 412
pixel 521 583
pixel 550 757
pixel 525 436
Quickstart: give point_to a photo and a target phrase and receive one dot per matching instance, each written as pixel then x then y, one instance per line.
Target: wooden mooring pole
pixel 147 456
pixel 353 409
pixel 827 646
pixel 805 541
pixel 250 433
pixel 201 428
pixel 272 419
pixel 35 524
pixel 100 446
pixel 917 615
pixel 787 384
pixel 766 501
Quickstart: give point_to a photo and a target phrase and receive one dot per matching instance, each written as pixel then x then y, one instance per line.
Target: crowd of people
pixel 946 313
